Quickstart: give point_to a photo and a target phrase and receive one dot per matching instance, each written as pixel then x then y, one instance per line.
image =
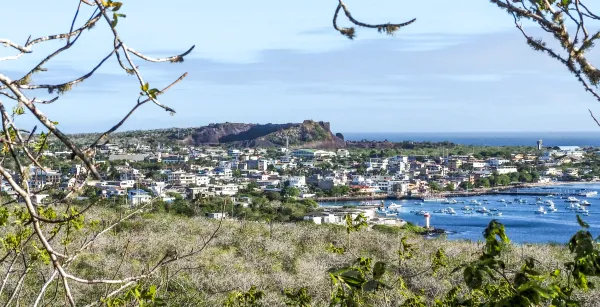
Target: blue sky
pixel 460 67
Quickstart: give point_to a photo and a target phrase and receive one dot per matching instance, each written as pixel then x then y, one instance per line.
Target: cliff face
pixel 307 134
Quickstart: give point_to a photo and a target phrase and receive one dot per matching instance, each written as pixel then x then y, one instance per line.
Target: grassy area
pixel 274 257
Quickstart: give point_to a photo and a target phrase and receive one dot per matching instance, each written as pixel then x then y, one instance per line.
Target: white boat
pixel 502 200
pixel 573 206
pixel 421 212
pixel 551 209
pixel 588 193
pixel 482 210
pixel 582 210
pixel 586 214
pixel 474 202
pixel 549 203
pixel 394 206
pixel 434 200
pixel 467 208
pixel 453 201
pixel 419 203
pixel 540 210
pixel 450 210
pixel 440 211
pixel 585 203
pixel 572 199
pixel 497 214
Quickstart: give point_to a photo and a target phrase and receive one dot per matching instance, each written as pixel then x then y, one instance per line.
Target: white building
pixel 505 169
pixel 227 189
pixel 297 182
pixel 136 197
pixel 181 178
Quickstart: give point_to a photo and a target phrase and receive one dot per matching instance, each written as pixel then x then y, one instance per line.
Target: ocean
pixel 522 224
pixel 549 139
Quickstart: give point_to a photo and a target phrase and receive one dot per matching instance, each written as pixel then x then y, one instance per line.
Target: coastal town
pixel 137 174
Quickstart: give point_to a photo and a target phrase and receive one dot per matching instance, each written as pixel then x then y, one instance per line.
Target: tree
pixel 483 183
pixel 466 185
pixel 559 18
pixel 449 187
pixel 290 192
pixel 50 239
pixel 434 186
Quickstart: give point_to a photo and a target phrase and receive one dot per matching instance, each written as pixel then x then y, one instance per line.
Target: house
pixel 217 215
pixel 127 157
pixel 181 178
pixel 343 153
pixel 505 169
pixel 297 182
pixel 137 197
pixel 312 153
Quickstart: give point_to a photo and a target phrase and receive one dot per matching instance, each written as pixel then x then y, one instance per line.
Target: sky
pixel 458 68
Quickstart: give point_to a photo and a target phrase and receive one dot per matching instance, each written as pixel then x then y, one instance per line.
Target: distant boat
pixel 502 200
pixel 419 203
pixel 540 210
pixel 450 210
pixel 482 210
pixel 573 206
pixel 572 199
pixel 394 206
pixel 467 208
pixel 588 193
pixel 434 200
pixel 549 203
pixel 585 203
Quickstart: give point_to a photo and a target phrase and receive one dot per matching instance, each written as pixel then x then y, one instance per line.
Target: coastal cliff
pixel 313 134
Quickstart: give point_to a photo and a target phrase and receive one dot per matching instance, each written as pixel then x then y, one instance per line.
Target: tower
pixel 287 142
pixel 539 144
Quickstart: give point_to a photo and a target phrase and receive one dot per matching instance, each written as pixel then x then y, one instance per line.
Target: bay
pixel 522 224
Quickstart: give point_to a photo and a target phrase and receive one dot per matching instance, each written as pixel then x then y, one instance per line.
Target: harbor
pixel 536 216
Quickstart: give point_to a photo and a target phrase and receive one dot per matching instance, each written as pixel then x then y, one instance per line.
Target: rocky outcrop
pixel 309 133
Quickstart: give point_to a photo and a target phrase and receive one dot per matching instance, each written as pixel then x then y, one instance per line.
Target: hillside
pixel 275 258
pixel 306 134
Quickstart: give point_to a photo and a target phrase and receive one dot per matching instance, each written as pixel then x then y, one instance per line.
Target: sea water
pixel 521 222
pixel 484 138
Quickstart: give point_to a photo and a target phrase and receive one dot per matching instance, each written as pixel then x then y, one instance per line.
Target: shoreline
pixel 475 192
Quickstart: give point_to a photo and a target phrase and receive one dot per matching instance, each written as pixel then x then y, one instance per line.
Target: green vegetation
pixel 301 264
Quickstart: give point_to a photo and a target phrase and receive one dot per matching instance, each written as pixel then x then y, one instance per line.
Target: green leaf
pixel 582 223
pixel 371 285
pixel 378 270
pixel 145 87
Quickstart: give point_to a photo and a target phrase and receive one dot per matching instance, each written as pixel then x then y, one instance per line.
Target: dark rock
pixel 309 134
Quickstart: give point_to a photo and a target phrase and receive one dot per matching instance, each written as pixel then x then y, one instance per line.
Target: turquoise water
pixel 522 224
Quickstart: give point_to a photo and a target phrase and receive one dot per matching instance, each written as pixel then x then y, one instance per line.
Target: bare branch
pixel 388 28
